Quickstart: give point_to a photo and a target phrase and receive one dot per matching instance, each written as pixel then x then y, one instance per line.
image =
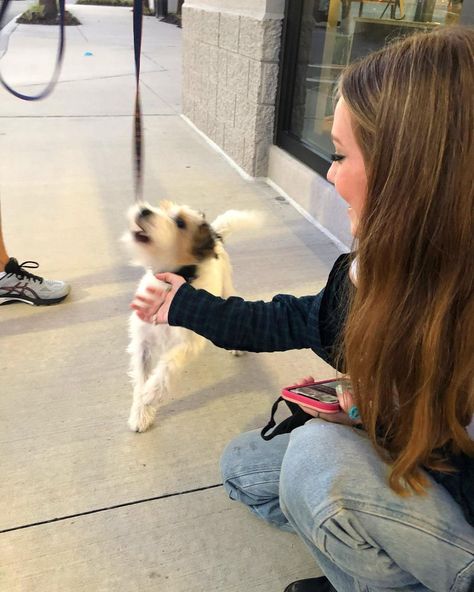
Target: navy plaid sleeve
pixel 287 322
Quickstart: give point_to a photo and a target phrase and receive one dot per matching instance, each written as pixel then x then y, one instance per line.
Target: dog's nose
pixel 144 212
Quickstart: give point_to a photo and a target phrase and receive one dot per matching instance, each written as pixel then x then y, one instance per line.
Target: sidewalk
pixel 86 505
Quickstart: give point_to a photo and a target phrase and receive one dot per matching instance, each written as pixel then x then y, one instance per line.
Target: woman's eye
pixel 337 157
pixel 180 223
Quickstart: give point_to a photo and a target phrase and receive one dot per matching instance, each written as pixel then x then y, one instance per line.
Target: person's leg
pixel 3 250
pixel 335 494
pixel 17 284
pixel 250 468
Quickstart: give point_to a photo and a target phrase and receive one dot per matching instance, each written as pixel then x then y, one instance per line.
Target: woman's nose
pixel 331 174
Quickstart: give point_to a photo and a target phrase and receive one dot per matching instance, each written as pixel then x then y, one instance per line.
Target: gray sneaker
pixel 19 284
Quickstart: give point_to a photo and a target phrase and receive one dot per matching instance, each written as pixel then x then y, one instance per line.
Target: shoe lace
pixel 20 271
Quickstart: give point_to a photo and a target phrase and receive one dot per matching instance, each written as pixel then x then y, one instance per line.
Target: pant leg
pixel 334 492
pixel 250 469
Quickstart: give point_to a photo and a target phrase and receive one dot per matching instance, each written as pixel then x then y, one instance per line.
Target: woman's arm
pixel 287 322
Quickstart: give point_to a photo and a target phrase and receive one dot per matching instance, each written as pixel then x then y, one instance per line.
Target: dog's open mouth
pixel 141 236
pixel 139 233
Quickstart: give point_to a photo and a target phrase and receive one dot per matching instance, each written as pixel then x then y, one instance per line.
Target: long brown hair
pixel 409 339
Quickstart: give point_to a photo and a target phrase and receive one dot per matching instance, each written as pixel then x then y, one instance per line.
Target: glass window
pixel 331 34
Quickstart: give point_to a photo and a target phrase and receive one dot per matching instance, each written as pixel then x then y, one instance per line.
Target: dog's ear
pixel 204 241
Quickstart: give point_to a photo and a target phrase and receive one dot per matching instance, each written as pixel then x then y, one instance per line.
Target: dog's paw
pixel 141 418
pixel 237 353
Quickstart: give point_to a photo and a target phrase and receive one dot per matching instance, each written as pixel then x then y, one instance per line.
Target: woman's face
pixel 347 172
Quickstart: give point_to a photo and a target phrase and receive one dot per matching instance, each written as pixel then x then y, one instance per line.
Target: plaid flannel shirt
pixel 287 322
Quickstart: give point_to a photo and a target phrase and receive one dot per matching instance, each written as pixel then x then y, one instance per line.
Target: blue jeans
pixel 326 483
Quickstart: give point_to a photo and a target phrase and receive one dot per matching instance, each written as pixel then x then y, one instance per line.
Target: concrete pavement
pixel 84 503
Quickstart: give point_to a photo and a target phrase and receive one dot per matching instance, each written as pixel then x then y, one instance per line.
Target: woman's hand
pixel 153 307
pixel 345 402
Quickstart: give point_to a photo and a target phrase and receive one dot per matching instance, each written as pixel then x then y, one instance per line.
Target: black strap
pixel 297 418
pixel 59 58
pixel 138 137
pixel 271 423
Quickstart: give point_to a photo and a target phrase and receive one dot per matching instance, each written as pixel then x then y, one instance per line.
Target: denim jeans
pixel 326 483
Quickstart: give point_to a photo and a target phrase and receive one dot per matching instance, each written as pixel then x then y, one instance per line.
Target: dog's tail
pixel 236 220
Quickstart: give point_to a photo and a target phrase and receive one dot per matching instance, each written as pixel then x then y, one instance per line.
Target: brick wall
pixel 230 77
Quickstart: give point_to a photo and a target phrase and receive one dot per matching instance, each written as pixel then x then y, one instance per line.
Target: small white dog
pixel 176 239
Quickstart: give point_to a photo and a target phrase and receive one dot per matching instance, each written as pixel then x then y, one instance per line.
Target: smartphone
pixel 320 396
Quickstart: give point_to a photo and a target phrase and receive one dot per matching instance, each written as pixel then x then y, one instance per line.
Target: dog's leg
pixel 158 384
pixel 140 370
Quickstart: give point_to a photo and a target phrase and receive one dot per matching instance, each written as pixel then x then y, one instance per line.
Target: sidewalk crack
pixel 108 508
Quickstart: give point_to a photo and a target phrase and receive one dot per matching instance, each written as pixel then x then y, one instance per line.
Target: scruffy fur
pixel 166 239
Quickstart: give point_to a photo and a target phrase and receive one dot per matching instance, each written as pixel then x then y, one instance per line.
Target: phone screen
pixel 326 392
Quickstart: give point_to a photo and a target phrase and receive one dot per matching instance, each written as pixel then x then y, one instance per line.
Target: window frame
pixel 284 138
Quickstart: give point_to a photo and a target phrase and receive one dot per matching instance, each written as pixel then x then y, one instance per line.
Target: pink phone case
pixel 308 401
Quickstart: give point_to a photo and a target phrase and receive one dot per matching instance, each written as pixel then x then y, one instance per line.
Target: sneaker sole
pixel 37 302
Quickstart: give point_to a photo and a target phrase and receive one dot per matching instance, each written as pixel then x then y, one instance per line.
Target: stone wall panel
pixel 229 29
pixel 230 78
pixel 246 116
pixel 237 73
pixel 268 83
pixel 213 63
pixel 209 27
pixel 234 143
pixel 271 40
pixel 222 68
pixel 225 108
pixel 251 38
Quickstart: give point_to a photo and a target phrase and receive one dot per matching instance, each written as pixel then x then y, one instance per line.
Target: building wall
pixel 231 51
pixel 311 194
pixel 230 75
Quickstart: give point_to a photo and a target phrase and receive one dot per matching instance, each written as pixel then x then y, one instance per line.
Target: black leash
pixel 137 42
pixel 138 137
pixel 59 58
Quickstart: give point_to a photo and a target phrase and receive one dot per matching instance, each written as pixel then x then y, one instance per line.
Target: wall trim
pixel 339 244
pixel 218 149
